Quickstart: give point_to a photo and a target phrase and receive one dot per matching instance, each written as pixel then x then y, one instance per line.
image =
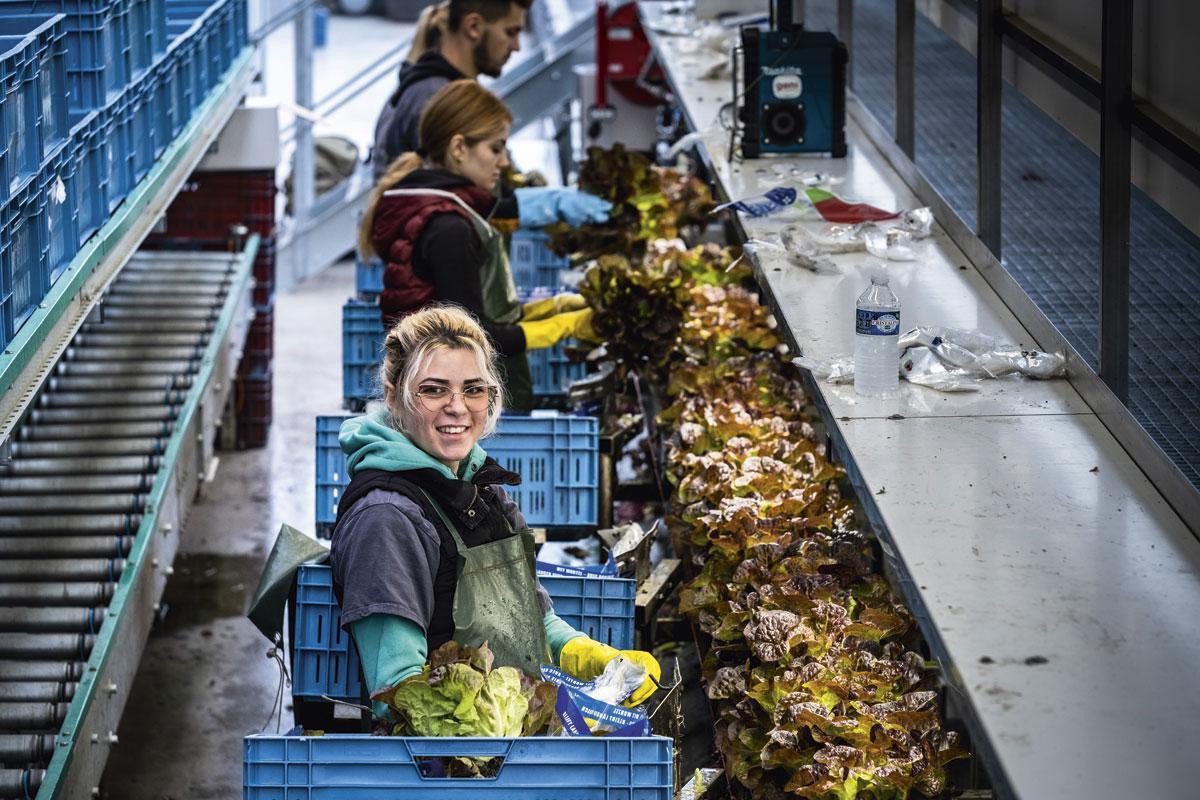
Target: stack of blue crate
pixel 93 93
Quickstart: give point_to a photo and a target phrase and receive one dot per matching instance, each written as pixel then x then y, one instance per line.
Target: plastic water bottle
pixel 876 341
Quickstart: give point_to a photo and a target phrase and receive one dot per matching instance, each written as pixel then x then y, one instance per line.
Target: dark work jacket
pixel 432 252
pixel 457 499
pixel 397 129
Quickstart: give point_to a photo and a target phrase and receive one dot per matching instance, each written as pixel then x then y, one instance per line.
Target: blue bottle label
pixel 877 323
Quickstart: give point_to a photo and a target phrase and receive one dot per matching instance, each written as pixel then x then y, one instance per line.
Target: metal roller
pixel 172 397
pixel 56 503
pixel 209 290
pixel 70 416
pixel 103 338
pixel 42 671
pixel 157 301
pixel 135 326
pixel 191 270
pixel 65 547
pixel 21 783
pixel 55 594
pixel 86 447
pixel 30 619
pixel 36 692
pixel 91 570
pixel 114 524
pixel 32 716
pixel 113 383
pixel 144 352
pixel 119 313
pixel 95 430
pixel 164 368
pixel 76 484
pixel 25 748
pixel 33 646
pixel 105 465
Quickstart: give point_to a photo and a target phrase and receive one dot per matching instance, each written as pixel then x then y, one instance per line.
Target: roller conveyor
pixel 75 482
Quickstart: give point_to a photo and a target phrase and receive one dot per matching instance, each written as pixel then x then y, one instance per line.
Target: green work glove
pixel 586 658
pixel 543 333
pixel 548 306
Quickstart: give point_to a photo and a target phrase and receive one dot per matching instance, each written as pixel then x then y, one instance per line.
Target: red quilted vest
pixel 395 231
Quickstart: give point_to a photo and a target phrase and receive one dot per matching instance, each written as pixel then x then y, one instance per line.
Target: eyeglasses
pixel 476 398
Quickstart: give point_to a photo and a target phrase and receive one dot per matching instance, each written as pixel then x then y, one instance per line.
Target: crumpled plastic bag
pixel 798 249
pixel 951 360
pixel 621 677
pixel 982 356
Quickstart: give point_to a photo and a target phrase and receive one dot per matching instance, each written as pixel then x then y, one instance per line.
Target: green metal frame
pixel 113 238
pixel 120 236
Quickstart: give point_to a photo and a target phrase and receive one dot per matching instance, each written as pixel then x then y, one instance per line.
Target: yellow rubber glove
pixel 543 333
pixel 548 306
pixel 586 658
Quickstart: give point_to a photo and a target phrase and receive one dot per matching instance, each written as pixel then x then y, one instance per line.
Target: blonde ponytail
pixel 397 171
pixel 431 24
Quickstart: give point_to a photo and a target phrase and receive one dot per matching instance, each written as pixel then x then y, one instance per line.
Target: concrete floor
pixel 205 680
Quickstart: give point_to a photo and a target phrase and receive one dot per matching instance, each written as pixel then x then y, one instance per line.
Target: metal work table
pixel 1056 587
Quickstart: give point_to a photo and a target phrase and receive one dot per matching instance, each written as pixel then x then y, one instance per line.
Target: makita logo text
pixel 782 71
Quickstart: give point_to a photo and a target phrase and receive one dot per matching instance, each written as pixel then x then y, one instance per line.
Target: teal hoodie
pixel 369 442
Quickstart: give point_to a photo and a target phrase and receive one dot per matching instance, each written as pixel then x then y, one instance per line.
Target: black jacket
pixel 397 129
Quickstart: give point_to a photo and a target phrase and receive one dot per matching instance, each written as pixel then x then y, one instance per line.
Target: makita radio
pixel 793 94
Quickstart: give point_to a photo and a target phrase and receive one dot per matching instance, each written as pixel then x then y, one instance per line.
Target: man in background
pixel 454 39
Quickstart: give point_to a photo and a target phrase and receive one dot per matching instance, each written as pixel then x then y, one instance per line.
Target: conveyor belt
pixel 82 466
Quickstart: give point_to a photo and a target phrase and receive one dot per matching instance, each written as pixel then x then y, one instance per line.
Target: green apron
pixel 495 600
pixel 500 303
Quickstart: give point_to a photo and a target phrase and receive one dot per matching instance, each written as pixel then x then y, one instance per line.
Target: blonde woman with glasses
pixel 428 547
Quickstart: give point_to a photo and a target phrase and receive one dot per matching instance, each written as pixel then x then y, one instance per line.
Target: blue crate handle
pixel 458 746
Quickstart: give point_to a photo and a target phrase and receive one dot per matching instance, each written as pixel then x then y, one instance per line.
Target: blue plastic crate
pixel 24 266
pixel 91 174
pixel 168 117
pixel 140 99
pixel 368 277
pixel 603 608
pixel 324 660
pixel 331 472
pixel 117 129
pixel 141 37
pixel 6 306
pixel 60 190
pixel 362 350
pixel 557 457
pixel 97 45
pixel 21 108
pixel 186 50
pixel 533 263
pixel 49 41
pixel 552 371
pixel 355 766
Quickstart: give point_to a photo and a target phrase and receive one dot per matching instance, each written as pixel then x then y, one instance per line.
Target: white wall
pixel 1166 58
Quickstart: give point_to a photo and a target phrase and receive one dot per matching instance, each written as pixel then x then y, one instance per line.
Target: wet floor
pixel 205 680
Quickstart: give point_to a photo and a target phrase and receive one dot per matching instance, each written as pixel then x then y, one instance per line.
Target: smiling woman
pixel 428 546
